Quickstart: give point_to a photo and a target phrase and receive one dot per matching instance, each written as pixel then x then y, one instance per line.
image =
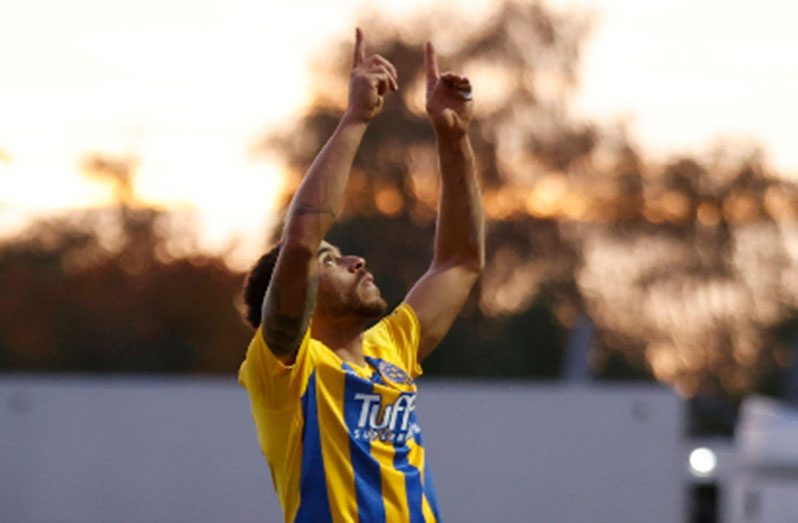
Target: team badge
pixel 393 373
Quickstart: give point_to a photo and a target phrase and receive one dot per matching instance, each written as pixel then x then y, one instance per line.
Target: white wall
pixel 765 486
pixel 184 450
pixel 556 455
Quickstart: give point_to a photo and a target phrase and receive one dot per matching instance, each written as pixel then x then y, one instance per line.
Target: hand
pixel 371 79
pixel 449 104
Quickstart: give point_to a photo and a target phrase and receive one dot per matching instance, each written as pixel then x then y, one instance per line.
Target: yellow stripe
pixel 393 483
pixel 429 516
pixel 335 446
pixel 284 463
pixel 294 467
pixel 417 458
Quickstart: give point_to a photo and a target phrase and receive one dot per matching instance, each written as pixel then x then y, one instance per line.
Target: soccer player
pixel 334 404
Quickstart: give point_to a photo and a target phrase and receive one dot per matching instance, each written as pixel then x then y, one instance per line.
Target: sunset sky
pixel 189 87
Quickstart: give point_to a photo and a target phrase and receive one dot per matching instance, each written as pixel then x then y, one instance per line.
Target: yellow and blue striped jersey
pixel 343 441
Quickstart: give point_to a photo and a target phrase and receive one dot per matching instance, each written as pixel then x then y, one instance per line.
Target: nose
pixel 356 263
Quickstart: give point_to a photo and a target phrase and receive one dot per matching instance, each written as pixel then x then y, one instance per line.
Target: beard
pixel 369 310
pixel 354 304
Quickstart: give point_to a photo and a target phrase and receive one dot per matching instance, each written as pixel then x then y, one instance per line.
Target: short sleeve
pixel 271 382
pixel 398 333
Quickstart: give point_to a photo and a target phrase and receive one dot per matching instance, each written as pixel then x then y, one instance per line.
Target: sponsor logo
pixel 390 423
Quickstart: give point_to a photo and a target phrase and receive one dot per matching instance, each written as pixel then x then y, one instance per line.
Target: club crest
pixel 393 373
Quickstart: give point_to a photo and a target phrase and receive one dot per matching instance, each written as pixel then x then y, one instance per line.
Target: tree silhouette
pixel 685 268
pixel 102 290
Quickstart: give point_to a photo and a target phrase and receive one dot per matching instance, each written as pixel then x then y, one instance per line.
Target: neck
pixel 344 336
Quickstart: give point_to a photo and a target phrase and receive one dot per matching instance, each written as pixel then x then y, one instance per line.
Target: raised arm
pixel 291 294
pixel 459 254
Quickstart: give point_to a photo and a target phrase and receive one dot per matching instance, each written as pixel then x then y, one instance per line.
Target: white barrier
pixel 765 488
pixel 86 450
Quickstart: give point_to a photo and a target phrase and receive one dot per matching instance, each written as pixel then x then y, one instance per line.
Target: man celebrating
pixel 334 404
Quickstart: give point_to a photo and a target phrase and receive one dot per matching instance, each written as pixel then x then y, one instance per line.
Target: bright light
pixel 703 461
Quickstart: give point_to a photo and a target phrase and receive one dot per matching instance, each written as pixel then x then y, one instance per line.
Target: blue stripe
pixel 376 377
pixel 368 483
pixel 413 484
pixel 429 492
pixel 314 503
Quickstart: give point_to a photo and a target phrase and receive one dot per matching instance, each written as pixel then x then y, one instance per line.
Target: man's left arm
pixel 459 256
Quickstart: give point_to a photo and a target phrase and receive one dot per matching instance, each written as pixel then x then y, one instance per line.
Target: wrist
pixel 452 138
pixel 355 117
pixel 351 119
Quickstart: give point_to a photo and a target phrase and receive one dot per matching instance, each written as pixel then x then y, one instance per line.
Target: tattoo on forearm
pixel 283 331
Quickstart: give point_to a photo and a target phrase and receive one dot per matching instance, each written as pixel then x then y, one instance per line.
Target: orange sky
pixel 188 87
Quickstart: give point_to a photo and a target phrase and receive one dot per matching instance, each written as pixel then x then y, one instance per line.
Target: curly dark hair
pixel 256 284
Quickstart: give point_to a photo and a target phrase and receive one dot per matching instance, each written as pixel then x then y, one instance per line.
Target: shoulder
pixel 395 339
pixel 262 372
pixel 400 326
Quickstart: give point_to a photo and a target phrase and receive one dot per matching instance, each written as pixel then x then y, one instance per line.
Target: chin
pixel 371 305
pixel 373 308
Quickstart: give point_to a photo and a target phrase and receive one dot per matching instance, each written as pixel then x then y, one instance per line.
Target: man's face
pixel 346 288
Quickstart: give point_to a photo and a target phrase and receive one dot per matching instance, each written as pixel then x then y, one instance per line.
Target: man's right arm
pixel 290 297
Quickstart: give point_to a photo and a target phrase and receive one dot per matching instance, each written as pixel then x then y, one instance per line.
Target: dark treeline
pixel 74 299
pixel 684 268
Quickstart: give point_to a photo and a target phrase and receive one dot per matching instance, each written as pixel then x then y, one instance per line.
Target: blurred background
pixel 638 167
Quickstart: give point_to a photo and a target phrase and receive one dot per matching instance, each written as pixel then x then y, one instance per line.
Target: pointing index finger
pixel 432 65
pixel 360 54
